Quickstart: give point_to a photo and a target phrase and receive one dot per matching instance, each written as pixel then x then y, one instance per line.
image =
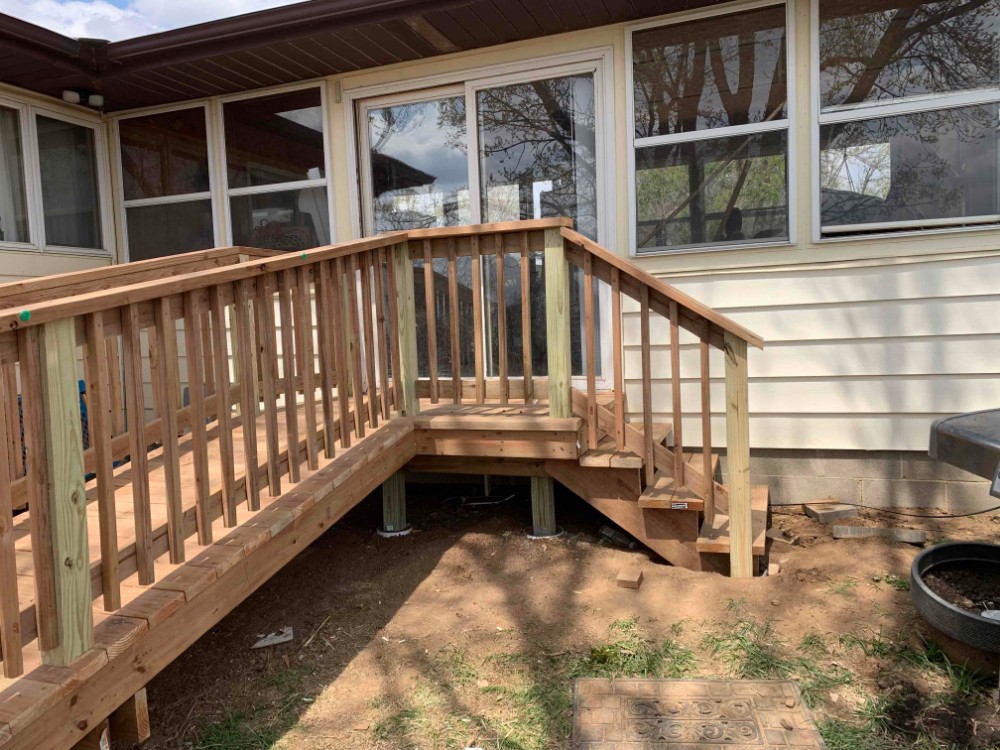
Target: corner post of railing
pixel 557 324
pixel 738 458
pixel 394 489
pixel 66 492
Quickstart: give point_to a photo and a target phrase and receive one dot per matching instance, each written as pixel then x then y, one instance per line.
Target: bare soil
pixel 466 630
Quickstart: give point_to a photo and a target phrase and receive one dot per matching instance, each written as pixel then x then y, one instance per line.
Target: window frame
pixel 122 205
pixel 28 112
pixel 871 111
pixel 226 193
pixel 787 124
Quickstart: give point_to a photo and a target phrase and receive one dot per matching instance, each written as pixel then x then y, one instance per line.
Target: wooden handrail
pixel 665 291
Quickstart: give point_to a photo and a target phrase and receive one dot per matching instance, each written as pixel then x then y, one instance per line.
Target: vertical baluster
pixel 264 310
pixel 194 324
pixel 616 354
pixel 430 306
pixel 477 320
pixel 588 333
pixel 115 392
pixel 395 323
pixel 163 360
pixel 325 348
pixel 529 383
pixel 306 361
pixel 355 351
pixel 37 474
pixel 99 426
pixel 368 343
pixel 223 405
pixel 342 350
pixel 502 318
pixel 675 388
pixel 647 391
pixel 289 374
pixel 207 353
pixel 10 617
pixel 383 352
pixel 454 324
pixel 706 430
pixel 249 389
pixel 135 400
pixel 15 436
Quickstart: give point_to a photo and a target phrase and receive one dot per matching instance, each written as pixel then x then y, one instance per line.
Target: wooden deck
pixel 192 507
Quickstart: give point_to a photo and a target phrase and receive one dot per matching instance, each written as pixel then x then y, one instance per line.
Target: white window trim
pixel 787 124
pixel 596 61
pixel 122 205
pixel 226 192
pixel 820 116
pixel 28 110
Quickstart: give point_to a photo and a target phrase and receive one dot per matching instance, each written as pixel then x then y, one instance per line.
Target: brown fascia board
pixel 259 29
pixel 56 49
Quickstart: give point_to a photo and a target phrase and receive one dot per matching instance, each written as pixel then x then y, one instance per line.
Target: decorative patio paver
pixel 650 714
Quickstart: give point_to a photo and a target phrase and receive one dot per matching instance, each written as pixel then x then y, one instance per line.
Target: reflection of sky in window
pixel 858 169
pixel 423 138
pixel 310 117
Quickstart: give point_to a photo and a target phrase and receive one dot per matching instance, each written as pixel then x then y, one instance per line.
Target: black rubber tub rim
pixel 968 627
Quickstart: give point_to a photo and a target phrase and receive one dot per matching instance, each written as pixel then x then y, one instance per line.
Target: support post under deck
pixel 543 507
pixel 394 506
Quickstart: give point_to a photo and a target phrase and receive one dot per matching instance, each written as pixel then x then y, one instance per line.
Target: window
pixel 165 181
pixel 710 137
pixel 67 160
pixel 13 201
pixel 908 117
pixel 276 170
pixel 501 148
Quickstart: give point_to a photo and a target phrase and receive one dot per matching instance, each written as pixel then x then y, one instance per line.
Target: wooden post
pixel 406 305
pixel 394 506
pixel 543 507
pixel 67 494
pixel 394 488
pixel 738 458
pixel 130 723
pixel 557 325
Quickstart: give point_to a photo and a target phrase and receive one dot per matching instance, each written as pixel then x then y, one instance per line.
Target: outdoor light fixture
pixel 83 97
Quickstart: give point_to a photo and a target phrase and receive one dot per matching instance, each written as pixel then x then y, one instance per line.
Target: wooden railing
pixel 310 350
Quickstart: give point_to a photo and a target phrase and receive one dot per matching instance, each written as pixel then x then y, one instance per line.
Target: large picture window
pixel 908 97
pixel 165 181
pixel 710 136
pixel 276 170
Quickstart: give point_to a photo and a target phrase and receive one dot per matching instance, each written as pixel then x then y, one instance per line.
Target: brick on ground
pixel 910 536
pixel 829 512
pixel 630 578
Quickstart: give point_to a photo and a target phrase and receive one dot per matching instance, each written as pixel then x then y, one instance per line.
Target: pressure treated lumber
pixel 557 325
pixel 543 507
pixel 738 458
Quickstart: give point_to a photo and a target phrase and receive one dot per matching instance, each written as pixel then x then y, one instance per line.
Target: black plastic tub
pixel 966 637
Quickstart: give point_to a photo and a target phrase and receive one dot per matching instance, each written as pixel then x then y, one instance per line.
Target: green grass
pixel 963 683
pixel 751 649
pixel 629 654
pixel 897 582
pixel 869 642
pixel 235 731
pixel 843 586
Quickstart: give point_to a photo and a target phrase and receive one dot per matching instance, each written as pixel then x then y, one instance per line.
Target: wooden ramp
pixel 179 429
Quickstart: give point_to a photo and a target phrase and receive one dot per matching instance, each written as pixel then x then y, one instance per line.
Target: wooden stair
pixel 607 455
pixel 664 494
pixel 714 538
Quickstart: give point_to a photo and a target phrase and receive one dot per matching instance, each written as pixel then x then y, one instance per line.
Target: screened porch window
pixel 276 170
pixel 13 199
pixel 71 205
pixel 710 139
pixel 165 180
pixel 909 97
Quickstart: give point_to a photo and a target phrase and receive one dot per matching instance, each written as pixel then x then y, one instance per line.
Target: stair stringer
pixel 615 493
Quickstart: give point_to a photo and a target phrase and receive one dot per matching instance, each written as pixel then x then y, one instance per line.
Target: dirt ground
pixel 467 633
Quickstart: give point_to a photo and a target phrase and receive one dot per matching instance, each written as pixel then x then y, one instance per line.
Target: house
pixel 324 244
pixel 824 173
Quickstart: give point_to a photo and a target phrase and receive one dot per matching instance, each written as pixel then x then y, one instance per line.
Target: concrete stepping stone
pixel 654 714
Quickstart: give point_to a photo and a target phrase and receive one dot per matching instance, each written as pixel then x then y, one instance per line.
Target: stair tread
pixel 607 455
pixel 715 538
pixel 664 494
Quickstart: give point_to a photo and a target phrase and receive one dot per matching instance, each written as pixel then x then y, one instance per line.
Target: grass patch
pixel 235 731
pixel 896 582
pixel 751 650
pixel 870 643
pixel 631 655
pixel 843 586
